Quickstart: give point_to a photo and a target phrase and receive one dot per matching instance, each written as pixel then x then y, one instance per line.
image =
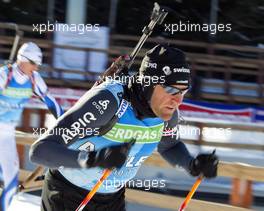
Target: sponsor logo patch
pixel 181 70
pixel 151 65
pixel 73 131
pixel 101 106
pixel 122 108
pixel 166 70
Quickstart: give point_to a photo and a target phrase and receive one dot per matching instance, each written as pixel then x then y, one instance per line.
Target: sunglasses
pixel 174 91
pixel 31 61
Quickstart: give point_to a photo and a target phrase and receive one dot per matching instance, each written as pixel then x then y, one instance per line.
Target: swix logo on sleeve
pixel 101 106
pixel 74 130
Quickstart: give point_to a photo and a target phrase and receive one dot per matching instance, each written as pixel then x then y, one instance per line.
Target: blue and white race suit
pixel 16 89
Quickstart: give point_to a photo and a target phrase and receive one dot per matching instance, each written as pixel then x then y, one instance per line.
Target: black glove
pixel 204 164
pixel 110 157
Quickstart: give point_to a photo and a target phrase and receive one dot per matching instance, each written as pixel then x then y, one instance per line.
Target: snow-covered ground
pixel 25 202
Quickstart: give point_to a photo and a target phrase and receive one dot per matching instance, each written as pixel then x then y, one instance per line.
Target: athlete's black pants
pixel 58 194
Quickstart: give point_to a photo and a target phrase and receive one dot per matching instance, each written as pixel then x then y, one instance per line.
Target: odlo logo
pixel 101 106
pixel 104 103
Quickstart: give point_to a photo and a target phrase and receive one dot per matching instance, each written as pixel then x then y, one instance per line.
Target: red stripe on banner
pixel 185 107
